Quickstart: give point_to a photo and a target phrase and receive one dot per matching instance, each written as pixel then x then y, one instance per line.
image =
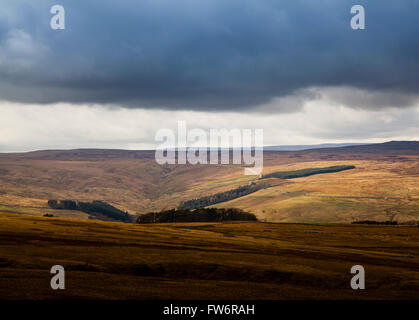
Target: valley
pixel 384 185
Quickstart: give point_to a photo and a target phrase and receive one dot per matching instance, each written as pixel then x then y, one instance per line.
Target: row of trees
pixel 221 197
pixel 94 207
pixel 306 172
pixel 198 215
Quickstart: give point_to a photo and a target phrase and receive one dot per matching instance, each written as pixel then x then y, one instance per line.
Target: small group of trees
pixel 386 223
pixel 221 197
pixel 94 207
pixel 198 215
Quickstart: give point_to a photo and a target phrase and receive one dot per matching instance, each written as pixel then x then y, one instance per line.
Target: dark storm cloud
pixel 207 54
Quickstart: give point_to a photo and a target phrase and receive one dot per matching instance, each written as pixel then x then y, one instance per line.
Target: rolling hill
pixel 385 183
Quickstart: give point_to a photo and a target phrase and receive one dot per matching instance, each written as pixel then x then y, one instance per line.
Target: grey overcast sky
pixel 121 70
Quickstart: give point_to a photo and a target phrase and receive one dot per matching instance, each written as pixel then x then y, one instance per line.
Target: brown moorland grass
pixel 106 260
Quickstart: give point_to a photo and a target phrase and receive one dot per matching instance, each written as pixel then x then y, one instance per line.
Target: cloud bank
pixel 69 126
pixel 210 55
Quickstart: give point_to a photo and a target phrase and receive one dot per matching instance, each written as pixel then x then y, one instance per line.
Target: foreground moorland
pixel 244 260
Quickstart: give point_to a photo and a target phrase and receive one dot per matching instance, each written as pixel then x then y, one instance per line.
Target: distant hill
pixel 80 154
pixel 411 147
pixel 400 147
pixel 312 146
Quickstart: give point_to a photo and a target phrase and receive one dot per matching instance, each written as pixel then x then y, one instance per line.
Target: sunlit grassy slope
pixel 106 260
pixel 375 190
